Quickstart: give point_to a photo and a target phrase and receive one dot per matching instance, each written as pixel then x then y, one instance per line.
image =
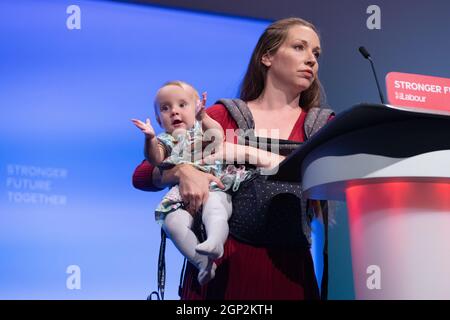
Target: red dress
pixel 246 272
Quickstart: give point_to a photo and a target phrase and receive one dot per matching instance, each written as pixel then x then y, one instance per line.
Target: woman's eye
pixel 298 47
pixel 317 55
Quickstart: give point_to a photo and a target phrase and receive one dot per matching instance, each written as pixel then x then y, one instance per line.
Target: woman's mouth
pixel 307 73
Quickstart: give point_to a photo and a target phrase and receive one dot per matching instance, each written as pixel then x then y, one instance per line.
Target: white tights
pixel 178 227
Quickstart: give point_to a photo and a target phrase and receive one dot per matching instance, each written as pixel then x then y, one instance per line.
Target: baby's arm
pixel 210 127
pixel 154 151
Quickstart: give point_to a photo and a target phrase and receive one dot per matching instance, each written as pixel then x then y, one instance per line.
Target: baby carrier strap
pixel 240 113
pixel 315 119
pixel 246 125
pixel 161 275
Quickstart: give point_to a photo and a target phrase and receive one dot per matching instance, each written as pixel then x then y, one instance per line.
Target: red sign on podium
pixel 418 91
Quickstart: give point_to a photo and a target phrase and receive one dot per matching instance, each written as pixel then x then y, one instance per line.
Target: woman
pixel 280 88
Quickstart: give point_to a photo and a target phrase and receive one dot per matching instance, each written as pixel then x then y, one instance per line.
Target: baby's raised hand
pixel 200 110
pixel 146 127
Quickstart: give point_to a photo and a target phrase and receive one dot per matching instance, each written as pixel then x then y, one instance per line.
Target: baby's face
pixel 176 107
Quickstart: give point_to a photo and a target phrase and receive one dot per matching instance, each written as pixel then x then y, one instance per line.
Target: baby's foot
pixel 214 251
pixel 207 274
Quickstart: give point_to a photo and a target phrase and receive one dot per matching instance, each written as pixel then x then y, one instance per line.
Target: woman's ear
pixel 266 60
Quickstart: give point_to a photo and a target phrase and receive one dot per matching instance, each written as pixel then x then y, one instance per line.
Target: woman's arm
pixel 193 184
pixel 143 177
pixel 236 153
pixel 262 158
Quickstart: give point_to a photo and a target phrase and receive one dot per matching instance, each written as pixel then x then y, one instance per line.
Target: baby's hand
pixel 146 127
pixel 200 110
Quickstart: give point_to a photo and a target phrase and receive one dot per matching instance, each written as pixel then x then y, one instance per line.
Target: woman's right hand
pixel 270 160
pixel 194 186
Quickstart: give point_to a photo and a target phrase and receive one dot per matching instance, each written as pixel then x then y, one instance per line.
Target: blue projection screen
pixel 71 78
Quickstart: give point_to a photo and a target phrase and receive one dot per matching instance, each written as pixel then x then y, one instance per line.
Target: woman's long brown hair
pixel 270 41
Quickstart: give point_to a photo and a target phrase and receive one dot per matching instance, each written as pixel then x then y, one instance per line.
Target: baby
pixel 180 112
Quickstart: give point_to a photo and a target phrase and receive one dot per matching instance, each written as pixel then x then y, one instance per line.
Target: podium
pixel 392 167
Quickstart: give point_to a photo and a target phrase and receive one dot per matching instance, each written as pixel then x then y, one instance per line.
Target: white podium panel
pixel 392 166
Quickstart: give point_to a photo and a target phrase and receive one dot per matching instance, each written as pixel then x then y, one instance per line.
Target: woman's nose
pixel 311 60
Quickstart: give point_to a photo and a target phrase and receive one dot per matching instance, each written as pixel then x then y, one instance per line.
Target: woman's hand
pixel 194 186
pixel 146 127
pixel 271 160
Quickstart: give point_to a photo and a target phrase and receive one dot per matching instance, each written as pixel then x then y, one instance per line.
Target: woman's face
pixel 294 65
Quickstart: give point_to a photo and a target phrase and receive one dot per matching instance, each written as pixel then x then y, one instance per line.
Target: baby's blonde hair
pixel 178 83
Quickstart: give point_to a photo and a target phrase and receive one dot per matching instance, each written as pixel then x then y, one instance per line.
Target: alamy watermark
pixel 73 21
pixel 373 22
pixel 261 151
pixel 73 281
pixel 373 281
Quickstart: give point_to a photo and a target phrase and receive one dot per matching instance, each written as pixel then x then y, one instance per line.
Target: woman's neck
pixel 274 98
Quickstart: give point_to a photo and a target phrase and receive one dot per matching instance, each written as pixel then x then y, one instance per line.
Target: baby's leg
pixel 216 212
pixel 177 226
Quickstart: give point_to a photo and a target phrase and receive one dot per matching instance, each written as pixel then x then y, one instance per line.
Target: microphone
pixel 366 55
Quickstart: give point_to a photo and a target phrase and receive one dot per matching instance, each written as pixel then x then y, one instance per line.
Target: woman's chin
pixel 303 85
